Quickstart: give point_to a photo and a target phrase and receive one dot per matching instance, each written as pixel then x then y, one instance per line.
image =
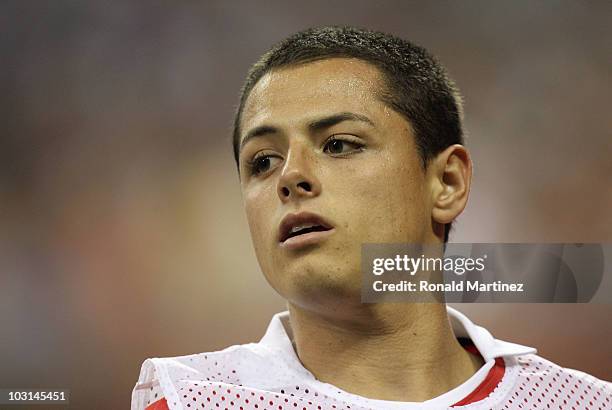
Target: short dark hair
pixel 414 83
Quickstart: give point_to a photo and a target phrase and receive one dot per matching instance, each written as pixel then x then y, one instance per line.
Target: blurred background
pixel 122 234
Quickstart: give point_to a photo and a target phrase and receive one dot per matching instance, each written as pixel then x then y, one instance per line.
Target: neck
pixel 400 352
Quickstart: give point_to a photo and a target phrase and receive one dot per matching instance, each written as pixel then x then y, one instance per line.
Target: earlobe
pixel 452 174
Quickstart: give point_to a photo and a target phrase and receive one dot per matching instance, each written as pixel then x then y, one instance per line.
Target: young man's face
pixel 325 151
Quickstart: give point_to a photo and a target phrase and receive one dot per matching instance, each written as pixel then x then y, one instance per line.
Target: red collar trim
pixel 487 386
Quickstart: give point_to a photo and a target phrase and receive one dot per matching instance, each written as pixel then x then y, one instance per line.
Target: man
pixel 343 137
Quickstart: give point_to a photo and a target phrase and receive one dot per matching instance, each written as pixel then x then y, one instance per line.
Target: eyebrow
pixel 314 126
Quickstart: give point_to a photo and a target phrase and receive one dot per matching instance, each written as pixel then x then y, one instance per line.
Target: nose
pixel 298 178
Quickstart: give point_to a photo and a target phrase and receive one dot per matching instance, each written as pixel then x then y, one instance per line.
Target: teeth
pixel 300 227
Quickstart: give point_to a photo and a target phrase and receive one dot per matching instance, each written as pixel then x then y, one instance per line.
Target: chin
pixel 312 283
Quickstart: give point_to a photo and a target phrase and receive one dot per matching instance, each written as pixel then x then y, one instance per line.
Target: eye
pixel 263 163
pixel 341 146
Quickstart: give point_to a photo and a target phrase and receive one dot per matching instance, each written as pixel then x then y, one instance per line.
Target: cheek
pixel 386 192
pixel 259 207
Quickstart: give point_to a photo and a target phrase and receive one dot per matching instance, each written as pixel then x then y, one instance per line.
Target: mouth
pixel 301 229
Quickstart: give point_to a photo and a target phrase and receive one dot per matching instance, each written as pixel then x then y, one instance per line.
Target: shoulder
pixel 535 366
pixel 236 365
pixel 539 382
pixel 259 365
pixel 161 376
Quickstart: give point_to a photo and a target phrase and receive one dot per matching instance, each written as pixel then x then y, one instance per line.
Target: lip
pixel 299 241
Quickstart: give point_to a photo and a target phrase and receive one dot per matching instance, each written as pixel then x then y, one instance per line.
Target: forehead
pixel 295 94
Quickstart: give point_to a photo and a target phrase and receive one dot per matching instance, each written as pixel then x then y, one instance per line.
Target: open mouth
pixel 301 224
pixel 301 230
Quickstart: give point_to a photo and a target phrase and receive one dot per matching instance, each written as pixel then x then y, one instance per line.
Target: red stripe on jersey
pixel 487 386
pixel 160 404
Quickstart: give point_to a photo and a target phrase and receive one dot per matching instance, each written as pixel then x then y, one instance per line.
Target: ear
pixel 450 177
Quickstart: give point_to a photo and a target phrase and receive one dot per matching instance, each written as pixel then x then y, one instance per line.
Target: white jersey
pixel 269 376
